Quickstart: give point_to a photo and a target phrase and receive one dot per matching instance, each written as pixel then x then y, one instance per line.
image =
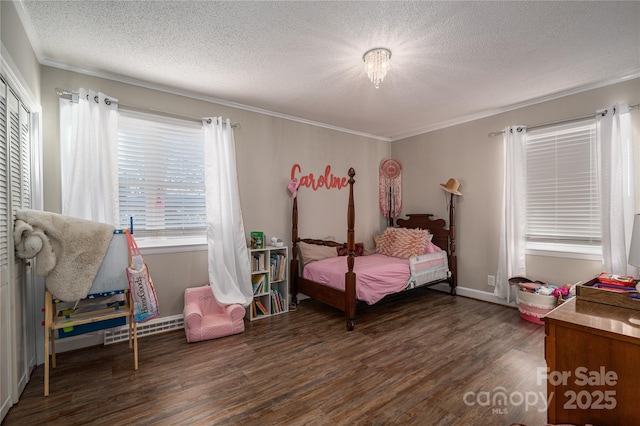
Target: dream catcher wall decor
pixel 390 189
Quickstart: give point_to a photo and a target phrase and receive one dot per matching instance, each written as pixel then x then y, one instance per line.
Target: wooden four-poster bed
pixel 343 290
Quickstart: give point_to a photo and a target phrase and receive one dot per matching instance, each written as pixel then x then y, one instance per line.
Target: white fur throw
pixel 75 247
pixel 31 241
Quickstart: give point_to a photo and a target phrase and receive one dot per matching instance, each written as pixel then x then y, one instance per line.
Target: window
pixel 562 208
pixel 161 175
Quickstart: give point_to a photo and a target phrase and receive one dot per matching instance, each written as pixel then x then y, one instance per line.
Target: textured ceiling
pixel 451 61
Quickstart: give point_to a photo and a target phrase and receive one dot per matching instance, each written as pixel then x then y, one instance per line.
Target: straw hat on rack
pixel 451 186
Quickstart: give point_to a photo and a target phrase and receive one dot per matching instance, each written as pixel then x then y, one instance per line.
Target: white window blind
pixel 161 175
pixel 562 187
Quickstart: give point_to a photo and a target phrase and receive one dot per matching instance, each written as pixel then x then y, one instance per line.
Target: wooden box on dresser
pixel 593 364
pixel 269 281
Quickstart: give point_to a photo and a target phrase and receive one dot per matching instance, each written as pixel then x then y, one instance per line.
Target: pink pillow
pixel 385 244
pixel 431 248
pixel 404 243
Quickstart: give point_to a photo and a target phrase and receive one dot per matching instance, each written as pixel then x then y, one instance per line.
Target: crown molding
pixel 158 87
pixel 535 101
pixel 420 131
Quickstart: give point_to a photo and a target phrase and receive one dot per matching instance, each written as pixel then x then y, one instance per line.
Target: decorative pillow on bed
pixel 313 252
pixel 358 250
pixel 385 242
pixel 431 248
pixel 401 242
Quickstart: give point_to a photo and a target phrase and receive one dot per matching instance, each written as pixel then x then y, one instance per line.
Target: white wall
pixel 17 48
pixel 466 152
pixel 266 148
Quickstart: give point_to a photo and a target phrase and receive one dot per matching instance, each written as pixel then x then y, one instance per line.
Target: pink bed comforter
pixel 377 275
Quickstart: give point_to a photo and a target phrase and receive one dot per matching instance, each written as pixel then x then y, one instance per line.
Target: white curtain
pixel 89 156
pixel 615 173
pixel 229 267
pixel 512 260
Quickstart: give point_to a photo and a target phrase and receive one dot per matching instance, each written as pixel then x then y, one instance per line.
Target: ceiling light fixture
pixel 377 63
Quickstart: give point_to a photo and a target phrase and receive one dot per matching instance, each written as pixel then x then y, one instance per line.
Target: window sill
pixel 162 245
pixel 568 251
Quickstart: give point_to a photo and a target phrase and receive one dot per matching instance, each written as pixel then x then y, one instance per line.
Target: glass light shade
pixel 377 63
pixel 634 251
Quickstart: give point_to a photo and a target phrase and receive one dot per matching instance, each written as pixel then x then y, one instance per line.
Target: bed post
pixel 350 276
pixel 453 267
pixel 294 269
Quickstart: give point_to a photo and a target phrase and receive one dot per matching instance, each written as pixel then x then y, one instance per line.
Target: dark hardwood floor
pixel 423 358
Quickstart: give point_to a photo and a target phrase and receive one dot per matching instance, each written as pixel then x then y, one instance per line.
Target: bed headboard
pixel 445 238
pixel 424 221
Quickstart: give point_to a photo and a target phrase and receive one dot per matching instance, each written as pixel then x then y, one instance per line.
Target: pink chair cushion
pixel 205 318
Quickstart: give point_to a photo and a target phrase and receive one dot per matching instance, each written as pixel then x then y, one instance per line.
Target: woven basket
pixel 534 306
pixel 524 282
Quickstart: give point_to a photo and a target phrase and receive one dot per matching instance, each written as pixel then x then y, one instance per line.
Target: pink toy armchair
pixel 205 318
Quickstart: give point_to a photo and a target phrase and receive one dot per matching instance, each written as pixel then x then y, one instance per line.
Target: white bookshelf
pixel 269 282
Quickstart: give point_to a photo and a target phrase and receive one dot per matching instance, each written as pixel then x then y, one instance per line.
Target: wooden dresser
pixel 593 364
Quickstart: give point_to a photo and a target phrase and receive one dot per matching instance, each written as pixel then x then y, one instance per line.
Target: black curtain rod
pixel 68 94
pixel 566 120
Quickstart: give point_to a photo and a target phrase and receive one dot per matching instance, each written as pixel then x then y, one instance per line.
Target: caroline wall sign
pixel 327 180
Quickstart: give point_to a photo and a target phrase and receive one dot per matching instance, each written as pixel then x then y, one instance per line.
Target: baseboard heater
pixel 154 326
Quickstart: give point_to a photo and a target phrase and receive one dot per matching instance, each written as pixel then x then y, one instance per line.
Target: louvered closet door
pixel 20 188
pixel 17 322
pixel 5 296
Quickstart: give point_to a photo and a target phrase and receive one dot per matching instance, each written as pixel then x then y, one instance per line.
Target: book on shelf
pixel 278 303
pixel 261 308
pixel 258 262
pixel 259 283
pixel 282 270
pixel 278 264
